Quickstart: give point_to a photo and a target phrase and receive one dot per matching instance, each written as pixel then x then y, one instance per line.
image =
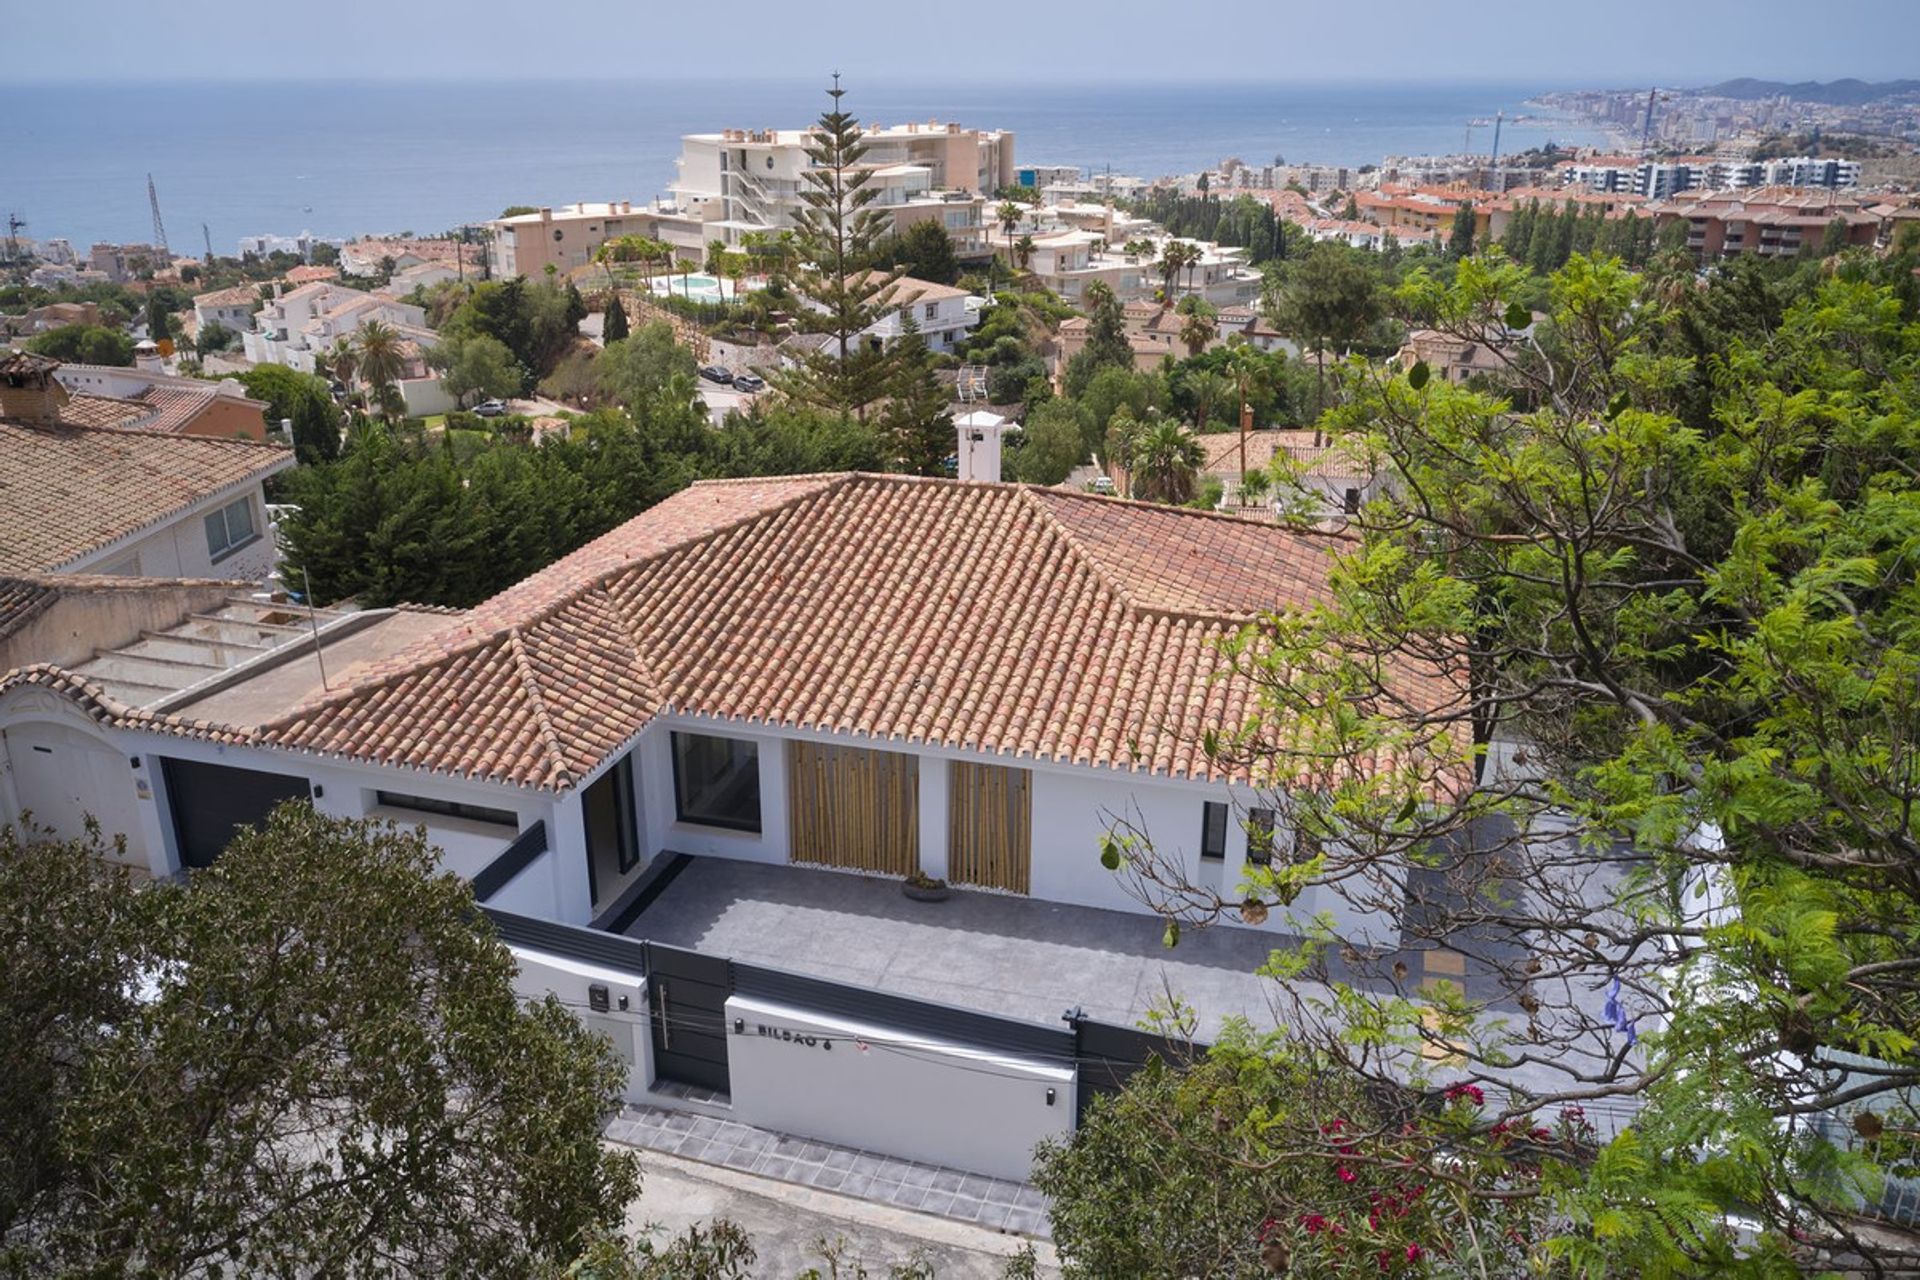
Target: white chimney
pixel 979 452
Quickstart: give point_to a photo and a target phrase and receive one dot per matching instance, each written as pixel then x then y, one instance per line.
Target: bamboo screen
pixel 854 808
pixel 990 834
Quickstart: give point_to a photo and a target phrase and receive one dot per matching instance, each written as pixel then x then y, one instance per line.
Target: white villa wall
pixel 903 1095
pixel 178 549
pixel 542 974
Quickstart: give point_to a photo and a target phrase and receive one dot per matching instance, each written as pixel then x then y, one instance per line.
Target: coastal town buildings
pixel 373 256
pixel 139 399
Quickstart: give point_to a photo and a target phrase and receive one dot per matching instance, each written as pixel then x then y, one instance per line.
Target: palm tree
pixel 1190 257
pixel 1247 368
pixel 1009 215
pixel 1199 327
pixel 1023 251
pixel 1166 462
pixel 1208 390
pixel 1171 259
pixel 340 362
pixel 378 348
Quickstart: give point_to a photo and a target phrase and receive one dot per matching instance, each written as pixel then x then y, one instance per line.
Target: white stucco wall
pixel 178 548
pixel 542 974
pixel 903 1095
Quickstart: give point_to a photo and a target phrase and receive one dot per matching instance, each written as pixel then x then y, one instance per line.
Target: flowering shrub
pixel 1257 1160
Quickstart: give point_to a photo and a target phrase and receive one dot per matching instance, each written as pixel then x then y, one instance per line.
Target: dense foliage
pixel 310 1060
pixel 1661 804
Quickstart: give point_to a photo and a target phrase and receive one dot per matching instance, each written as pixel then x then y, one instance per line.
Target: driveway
pixel 788 1222
pixel 721 401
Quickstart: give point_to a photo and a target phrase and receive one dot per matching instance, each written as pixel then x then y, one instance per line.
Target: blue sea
pixel 343 158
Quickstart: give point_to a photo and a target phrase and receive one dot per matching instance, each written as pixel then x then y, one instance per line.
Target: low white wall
pixel 541 974
pixel 801 1073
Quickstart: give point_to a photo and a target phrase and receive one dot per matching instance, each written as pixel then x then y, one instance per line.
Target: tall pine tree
pixel 917 424
pixel 837 235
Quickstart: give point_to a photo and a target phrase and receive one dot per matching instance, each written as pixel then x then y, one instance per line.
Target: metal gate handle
pixel 666 1023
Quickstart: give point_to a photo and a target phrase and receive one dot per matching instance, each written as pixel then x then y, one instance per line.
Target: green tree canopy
pixel 84 344
pixel 477 367
pixel 304 400
pixel 310 1059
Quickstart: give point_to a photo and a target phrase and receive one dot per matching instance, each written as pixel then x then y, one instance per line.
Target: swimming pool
pixel 700 287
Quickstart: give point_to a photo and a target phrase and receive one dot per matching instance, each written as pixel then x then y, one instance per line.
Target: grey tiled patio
pixel 907 1184
pixel 1019 957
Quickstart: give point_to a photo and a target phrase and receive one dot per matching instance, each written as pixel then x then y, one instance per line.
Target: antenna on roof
pixel 13 236
pixel 306 591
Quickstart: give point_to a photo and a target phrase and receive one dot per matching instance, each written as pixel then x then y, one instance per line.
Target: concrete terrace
pixel 996 953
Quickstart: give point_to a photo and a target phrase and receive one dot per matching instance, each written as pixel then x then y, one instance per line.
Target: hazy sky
pixel 1572 42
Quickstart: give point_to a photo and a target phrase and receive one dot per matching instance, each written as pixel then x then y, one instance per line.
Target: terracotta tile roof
pixel 21 599
pixel 241 295
pixel 85 410
pixel 68 491
pixel 1034 623
pixel 1325 458
pixel 308 274
pixel 1003 618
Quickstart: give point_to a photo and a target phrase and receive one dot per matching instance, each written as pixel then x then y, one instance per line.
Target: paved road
pixel 787 1222
pixel 721 401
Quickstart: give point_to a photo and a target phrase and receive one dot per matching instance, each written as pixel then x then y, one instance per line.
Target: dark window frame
pixel 1261 825
pixel 1213 831
pixel 750 826
pixel 447 808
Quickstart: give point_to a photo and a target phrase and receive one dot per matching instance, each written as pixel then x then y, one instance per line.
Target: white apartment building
pixel 296 326
pixel 1068 261
pixel 741 181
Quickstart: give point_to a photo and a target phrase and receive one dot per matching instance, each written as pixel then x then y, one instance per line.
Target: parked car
pixel 1103 484
pixel 491 409
pixel 716 373
pixel 749 382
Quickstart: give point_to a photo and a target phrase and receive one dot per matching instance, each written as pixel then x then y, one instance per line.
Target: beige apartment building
pixel 565 238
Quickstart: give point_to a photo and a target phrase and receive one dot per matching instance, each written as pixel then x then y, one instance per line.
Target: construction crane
pixel 14 224
pixel 1646 130
pixel 159 228
pixel 1499 117
pixel 207 236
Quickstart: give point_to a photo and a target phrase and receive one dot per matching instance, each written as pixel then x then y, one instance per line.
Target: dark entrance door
pixel 688 993
pixel 208 801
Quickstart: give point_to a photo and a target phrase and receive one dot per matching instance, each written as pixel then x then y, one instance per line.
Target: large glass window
pixel 1213 831
pixel 716 781
pixel 230 528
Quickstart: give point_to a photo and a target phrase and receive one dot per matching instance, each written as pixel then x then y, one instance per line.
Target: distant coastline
pixel 379 157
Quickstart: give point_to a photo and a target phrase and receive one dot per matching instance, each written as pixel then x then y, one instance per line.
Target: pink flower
pixel 1314 1224
pixel 1346 1174
pixel 1471 1091
pixel 1413 1252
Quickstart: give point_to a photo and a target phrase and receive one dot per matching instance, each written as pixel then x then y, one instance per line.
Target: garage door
pixel 209 801
pixel 62 776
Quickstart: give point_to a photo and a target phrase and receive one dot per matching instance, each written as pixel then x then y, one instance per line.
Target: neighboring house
pixel 307 273
pixel 127 502
pixel 1453 359
pixel 875 673
pixel 52 316
pixel 371 257
pixel 420 275
pixel 1332 475
pixel 296 326
pixel 939 311
pixel 144 400
pixel 233 307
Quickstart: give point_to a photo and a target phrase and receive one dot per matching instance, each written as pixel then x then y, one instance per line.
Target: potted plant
pixel 922 887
